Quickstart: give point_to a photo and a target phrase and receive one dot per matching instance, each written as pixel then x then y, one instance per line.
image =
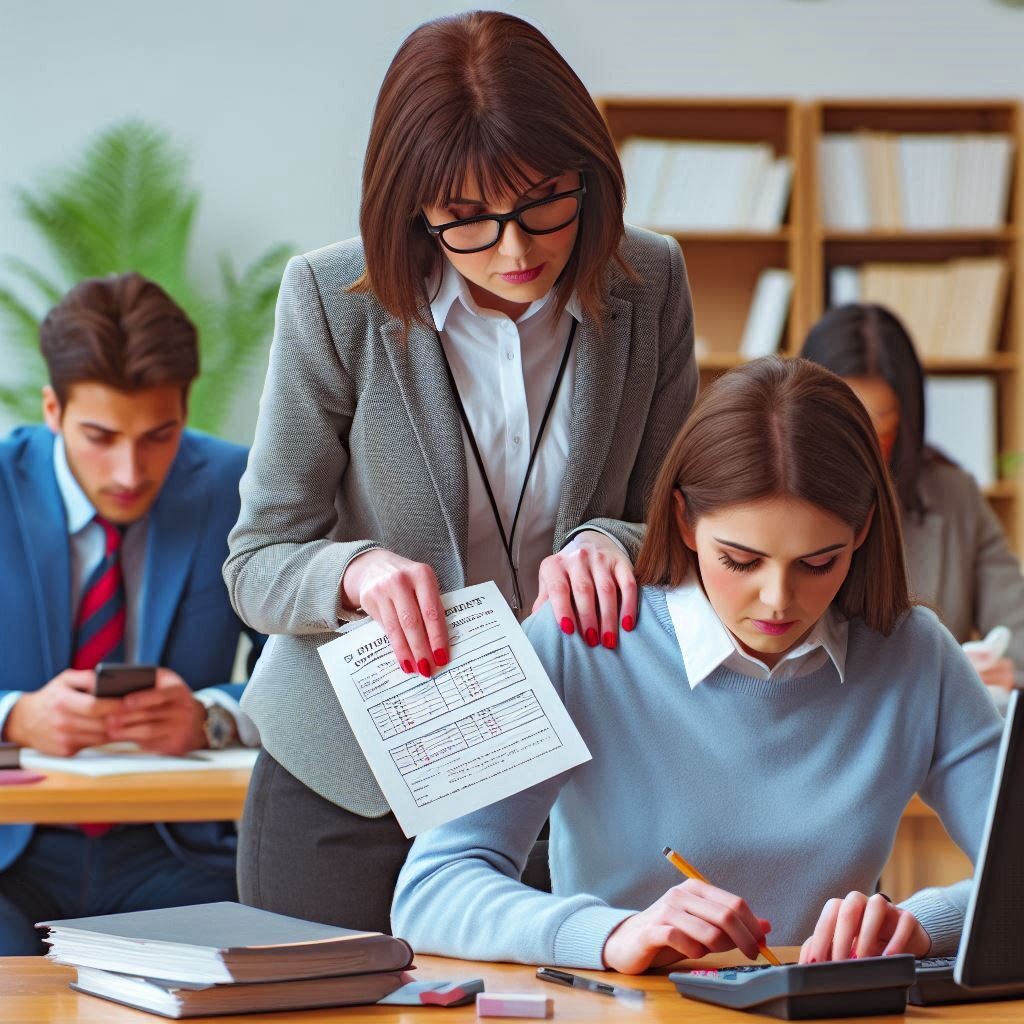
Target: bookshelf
pixel 828 247
pixel 724 264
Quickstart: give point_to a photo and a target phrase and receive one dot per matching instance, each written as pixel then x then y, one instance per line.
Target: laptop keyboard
pixel 935 963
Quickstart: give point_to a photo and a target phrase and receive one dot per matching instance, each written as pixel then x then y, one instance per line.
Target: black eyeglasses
pixel 542 217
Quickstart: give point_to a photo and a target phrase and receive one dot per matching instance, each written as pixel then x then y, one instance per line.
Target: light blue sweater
pixel 786 793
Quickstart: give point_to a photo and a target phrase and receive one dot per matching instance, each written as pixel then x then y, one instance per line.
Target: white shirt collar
pixel 706 644
pixel 453 288
pixel 78 510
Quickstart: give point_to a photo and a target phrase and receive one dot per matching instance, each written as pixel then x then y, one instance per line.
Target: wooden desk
pixel 34 991
pixel 63 798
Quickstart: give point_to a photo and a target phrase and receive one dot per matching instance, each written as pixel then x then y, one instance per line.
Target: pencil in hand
pixel 691 872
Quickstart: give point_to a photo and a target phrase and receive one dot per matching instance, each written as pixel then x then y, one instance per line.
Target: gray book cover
pixel 221 942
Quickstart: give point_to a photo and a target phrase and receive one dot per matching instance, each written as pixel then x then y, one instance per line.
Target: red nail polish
pixel 627 623
pixel 440 658
pixel 812 959
pixel 424 666
pixel 592 637
pixel 567 626
pixel 609 641
pixel 407 667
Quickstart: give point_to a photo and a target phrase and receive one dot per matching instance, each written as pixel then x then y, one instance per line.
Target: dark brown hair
pixel 123 331
pixel 783 427
pixel 863 340
pixel 482 94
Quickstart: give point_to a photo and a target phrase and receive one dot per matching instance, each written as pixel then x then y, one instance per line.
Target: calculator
pixel 842 988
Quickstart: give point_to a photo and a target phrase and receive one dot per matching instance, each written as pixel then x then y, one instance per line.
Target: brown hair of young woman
pixel 122 331
pixel 866 340
pixel 783 427
pixel 482 94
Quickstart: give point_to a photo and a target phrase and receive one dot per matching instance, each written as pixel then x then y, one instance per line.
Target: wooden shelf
pixel 1004 490
pixel 937 237
pixel 720 361
pixel 782 235
pixel 1000 362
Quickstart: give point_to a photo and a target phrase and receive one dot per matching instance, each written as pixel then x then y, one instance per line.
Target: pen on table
pixel 575 981
pixel 691 872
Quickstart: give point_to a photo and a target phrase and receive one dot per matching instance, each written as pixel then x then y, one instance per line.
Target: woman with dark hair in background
pixel 958 558
pixel 480 387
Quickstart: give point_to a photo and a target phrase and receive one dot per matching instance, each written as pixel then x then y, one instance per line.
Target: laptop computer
pixel 989 963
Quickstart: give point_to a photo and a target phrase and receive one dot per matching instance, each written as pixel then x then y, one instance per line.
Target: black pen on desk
pixel 575 981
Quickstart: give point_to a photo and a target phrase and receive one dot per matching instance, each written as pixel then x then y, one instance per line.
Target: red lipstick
pixel 523 276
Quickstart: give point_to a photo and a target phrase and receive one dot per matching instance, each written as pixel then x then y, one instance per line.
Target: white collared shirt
pixel 505 370
pixel 87 545
pixel 706 644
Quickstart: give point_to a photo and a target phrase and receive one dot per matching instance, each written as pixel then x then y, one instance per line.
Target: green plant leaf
pixel 126 204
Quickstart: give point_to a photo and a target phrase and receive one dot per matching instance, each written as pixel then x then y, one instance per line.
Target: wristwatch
pixel 219 727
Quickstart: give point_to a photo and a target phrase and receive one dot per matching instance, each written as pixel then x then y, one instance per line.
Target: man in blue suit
pixel 113 529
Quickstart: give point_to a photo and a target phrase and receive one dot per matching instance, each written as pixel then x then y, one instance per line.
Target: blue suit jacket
pixel 187 623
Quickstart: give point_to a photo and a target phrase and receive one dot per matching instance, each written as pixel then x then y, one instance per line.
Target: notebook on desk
pixel 990 961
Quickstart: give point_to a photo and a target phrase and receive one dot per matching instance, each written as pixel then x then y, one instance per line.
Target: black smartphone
pixel 115 679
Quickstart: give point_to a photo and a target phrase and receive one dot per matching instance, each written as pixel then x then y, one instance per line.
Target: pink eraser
pixel 19 776
pixel 514 1004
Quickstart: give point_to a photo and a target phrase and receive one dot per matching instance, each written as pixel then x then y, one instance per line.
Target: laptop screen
pixel 992 947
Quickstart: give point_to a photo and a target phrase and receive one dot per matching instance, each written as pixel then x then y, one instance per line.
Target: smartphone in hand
pixel 114 679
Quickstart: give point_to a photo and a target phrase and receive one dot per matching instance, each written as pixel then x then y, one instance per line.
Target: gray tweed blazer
pixel 359 445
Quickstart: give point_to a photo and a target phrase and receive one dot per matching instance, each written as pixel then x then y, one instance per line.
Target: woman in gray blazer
pixel 481 386
pixel 958 558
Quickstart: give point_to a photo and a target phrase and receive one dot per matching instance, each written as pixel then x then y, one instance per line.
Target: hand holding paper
pixel 488 726
pixel 989 661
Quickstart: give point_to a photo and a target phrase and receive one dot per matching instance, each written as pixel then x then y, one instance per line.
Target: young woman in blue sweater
pixel 778 704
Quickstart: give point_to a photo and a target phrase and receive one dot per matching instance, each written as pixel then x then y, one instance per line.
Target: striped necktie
pixel 99 625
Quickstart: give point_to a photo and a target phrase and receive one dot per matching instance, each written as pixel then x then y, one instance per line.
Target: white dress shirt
pixel 505 370
pixel 706 644
pixel 86 547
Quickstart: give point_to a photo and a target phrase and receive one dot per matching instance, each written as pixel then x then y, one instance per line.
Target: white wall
pixel 273 100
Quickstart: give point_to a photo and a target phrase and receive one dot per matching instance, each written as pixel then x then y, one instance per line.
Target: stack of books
pixel 953 310
pixel 224 958
pixel 915 182
pixel 679 185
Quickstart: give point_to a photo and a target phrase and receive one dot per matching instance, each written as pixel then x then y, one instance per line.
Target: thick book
pixel 844 183
pixel 187 999
pixel 220 943
pixel 766 320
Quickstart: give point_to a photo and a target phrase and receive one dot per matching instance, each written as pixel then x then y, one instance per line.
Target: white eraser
pixel 514 1004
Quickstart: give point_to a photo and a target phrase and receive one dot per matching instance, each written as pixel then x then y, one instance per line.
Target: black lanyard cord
pixel 506 541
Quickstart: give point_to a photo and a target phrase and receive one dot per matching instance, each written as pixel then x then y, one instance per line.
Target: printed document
pixel 487 725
